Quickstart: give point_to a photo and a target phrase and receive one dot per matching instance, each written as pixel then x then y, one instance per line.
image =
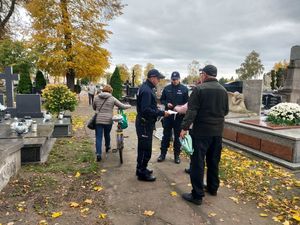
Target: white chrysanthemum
pixel 287 113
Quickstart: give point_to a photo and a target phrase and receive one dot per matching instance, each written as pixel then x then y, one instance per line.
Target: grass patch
pixel 68 156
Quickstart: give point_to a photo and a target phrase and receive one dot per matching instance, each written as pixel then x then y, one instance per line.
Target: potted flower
pixel 58 98
pixel 285 114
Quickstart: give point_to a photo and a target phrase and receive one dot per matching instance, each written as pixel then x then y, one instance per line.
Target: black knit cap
pixel 210 70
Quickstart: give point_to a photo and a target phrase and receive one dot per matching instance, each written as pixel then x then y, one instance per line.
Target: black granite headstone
pixel 29 105
pixel 270 100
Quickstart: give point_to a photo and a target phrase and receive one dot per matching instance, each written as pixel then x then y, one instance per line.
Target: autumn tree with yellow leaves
pixel 137 72
pixel 68 34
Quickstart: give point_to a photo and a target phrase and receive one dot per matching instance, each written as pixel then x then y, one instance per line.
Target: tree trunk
pixel 5 19
pixel 70 75
pixel 70 79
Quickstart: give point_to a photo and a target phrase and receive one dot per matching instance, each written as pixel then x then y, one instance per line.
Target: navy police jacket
pixel 174 94
pixel 146 105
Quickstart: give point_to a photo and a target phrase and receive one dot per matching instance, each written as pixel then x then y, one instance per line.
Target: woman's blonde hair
pixel 107 88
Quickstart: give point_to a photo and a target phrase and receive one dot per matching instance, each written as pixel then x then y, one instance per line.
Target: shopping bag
pixel 92 122
pixel 187 144
pixel 124 121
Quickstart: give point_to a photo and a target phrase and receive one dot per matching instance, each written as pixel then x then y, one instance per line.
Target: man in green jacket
pixel 207 107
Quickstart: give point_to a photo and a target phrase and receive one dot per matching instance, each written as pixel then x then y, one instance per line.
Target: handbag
pixel 92 122
pixel 124 121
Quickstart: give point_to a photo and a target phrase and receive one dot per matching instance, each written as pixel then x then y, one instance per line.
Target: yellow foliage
pixel 56 214
pixel 102 215
pixel 74 204
pixel 77 174
pixel 173 193
pixel 69 34
pixel 98 188
pixel 281 64
pixel 148 213
pixel 273 188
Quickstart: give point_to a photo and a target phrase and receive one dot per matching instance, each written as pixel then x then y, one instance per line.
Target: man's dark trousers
pixel 209 148
pixel 144 133
pixel 170 123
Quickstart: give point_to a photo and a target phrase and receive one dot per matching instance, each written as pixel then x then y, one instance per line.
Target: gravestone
pixel 252 90
pixel 2 99
pixel 9 78
pixel 37 145
pixel 269 100
pixel 62 127
pixel 10 159
pixel 291 88
pixel 28 105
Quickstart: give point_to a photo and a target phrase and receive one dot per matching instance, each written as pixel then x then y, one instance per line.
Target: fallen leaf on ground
pixel 236 200
pixel 103 171
pixel 277 218
pixel 263 215
pixel 88 201
pixel 74 204
pixel 173 184
pixel 77 174
pixel 148 213
pixel 84 210
pixel 173 193
pixel 42 222
pixel 98 188
pixel 102 215
pixel 286 223
pixel 296 217
pixel 56 214
pixel 212 214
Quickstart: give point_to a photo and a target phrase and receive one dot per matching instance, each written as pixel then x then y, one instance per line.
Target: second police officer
pixel 173 94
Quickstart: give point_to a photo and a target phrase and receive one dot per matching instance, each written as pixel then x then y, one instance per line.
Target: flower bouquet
pixel 285 114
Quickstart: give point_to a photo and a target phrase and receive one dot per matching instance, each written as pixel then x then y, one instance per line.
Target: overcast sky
pixel 172 33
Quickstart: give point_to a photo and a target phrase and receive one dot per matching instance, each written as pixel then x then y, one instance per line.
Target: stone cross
pixel 9 78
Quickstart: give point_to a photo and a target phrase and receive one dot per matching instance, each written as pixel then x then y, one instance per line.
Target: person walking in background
pixel 147 114
pixel 173 94
pixel 207 107
pixel 91 92
pixel 103 105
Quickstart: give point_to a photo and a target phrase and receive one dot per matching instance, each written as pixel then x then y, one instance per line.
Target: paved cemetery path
pixel 127 198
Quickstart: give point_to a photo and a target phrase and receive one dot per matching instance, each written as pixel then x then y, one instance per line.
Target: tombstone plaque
pixel 271 100
pixel 29 105
pixel 9 78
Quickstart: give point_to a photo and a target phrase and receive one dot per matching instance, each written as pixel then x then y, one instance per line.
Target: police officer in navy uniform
pixel 174 94
pixel 147 114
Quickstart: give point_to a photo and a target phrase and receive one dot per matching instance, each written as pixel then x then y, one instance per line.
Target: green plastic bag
pixel 124 121
pixel 187 144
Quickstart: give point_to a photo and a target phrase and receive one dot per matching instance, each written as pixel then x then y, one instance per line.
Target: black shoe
pixel 161 158
pixel 213 193
pixel 99 158
pixel 137 173
pixel 149 178
pixel 176 159
pixel 107 149
pixel 187 170
pixel 189 197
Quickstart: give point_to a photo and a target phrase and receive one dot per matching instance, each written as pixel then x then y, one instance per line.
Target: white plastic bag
pixel 187 144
